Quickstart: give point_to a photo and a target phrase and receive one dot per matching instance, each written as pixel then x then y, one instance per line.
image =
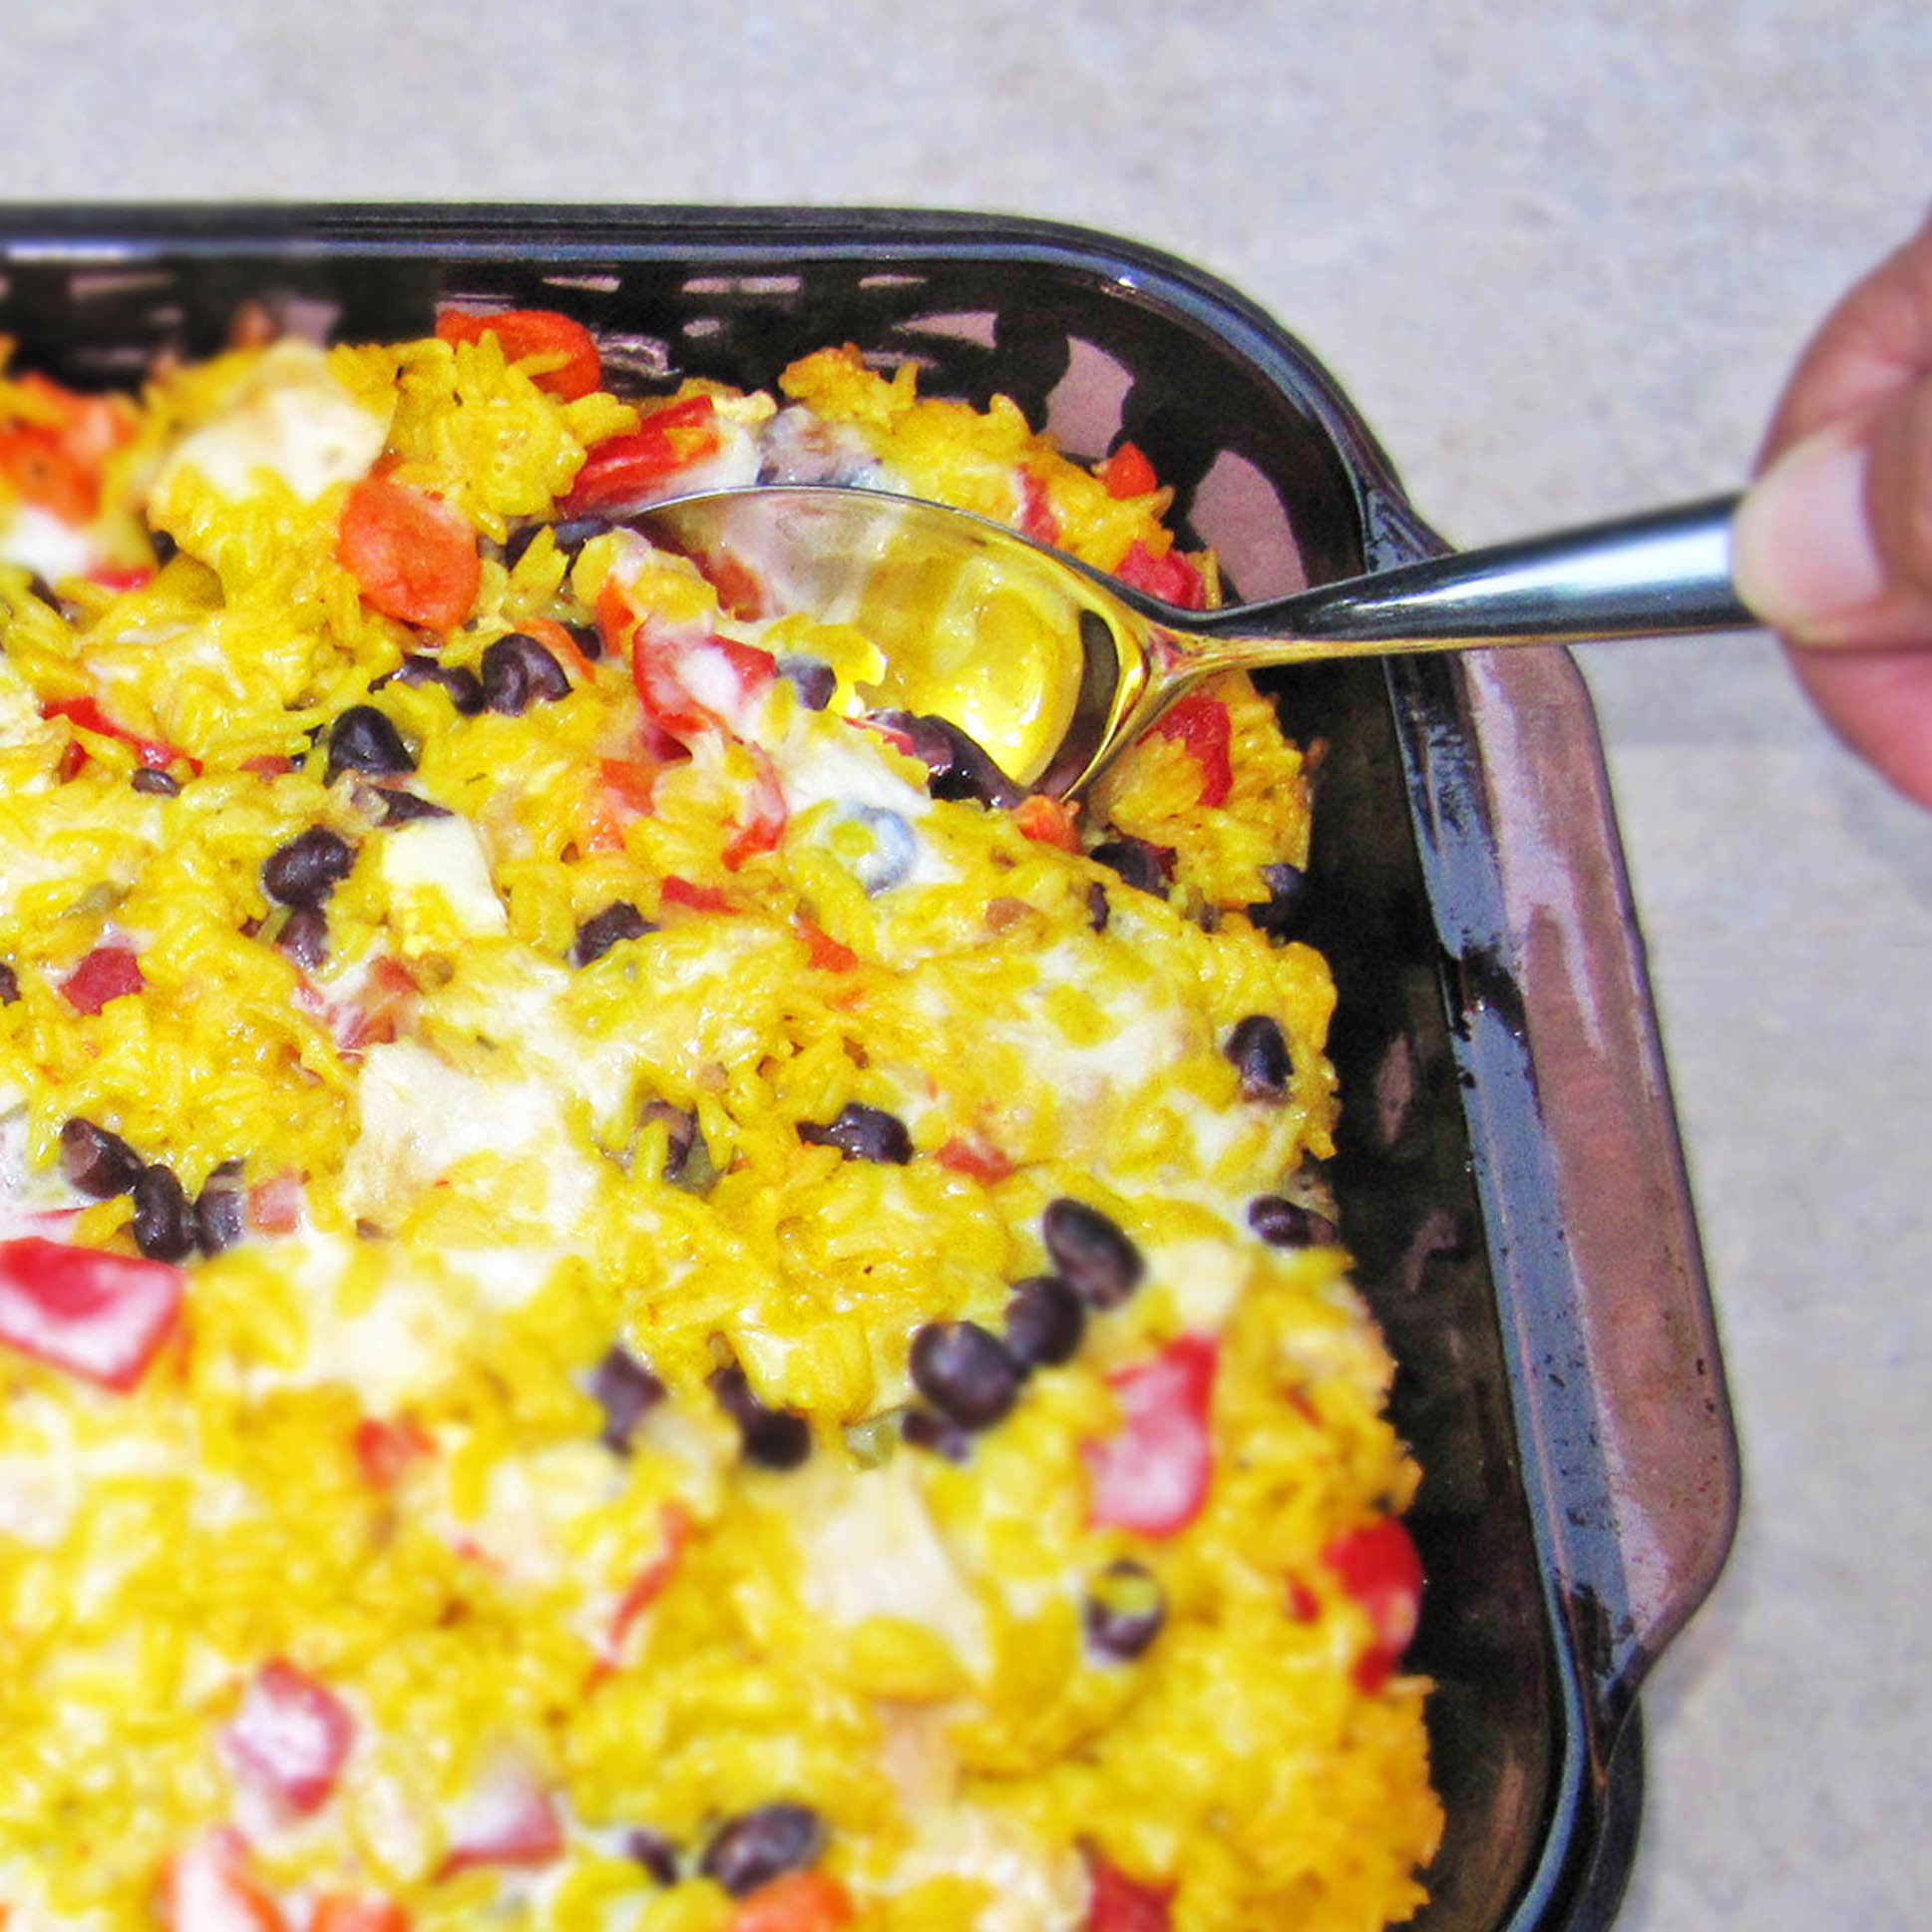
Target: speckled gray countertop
pixel 1561 254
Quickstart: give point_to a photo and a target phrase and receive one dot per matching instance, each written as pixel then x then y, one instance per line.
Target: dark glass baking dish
pixel 1508 1176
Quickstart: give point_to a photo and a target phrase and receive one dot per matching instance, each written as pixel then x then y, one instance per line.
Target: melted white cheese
pixel 36 540
pixel 291 418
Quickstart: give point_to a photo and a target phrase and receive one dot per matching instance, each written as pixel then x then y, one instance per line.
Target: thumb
pixel 1832 545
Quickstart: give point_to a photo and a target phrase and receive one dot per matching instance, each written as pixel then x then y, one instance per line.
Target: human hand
pixel 1833 543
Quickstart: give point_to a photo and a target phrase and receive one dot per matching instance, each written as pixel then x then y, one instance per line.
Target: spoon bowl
pixel 1055 669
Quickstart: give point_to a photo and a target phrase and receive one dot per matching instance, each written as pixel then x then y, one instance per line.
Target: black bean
pixel 304 936
pixel 219 1218
pixel 97 1162
pixel 925 1431
pixel 9 985
pixel 156 784
pixel 163 546
pixel 163 1222
pixel 812 678
pixel 965 1372
pixel 1142 864
pixel 862 1134
pixel 519 672
pixel 774 1438
pixel 1044 1321
pixel 959 766
pixel 588 639
pixel 308 868
pixel 687 1160
pixel 1287 1224
pixel 570 535
pixel 462 684
pixel 762 1845
pixel 1100 911
pixel 1259 1051
pixel 1124 1611
pixel 654 1852
pixel 399 806
pixel 618 921
pixel 626 1391
pixel 362 739
pixel 1090 1250
pixel 1279 914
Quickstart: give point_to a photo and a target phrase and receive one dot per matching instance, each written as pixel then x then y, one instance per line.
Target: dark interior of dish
pixel 1263 451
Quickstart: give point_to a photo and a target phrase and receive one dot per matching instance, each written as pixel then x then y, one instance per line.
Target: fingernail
pixel 1803 552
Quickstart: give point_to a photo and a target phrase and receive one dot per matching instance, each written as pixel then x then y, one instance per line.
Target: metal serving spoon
pixel 1055 669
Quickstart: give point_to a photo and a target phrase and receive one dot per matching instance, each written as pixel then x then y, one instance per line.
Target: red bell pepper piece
pixel 336 1912
pixel 1170 576
pixel 1380 1568
pixel 293 1736
pixel 1202 725
pixel 528 332
pixel 799 1901
pixel 46 475
pixel 651 1579
pixel 1127 472
pixel 623 471
pixel 1118 1903
pixel 1153 1475
pixel 1037 519
pixel 975 1159
pixel 414 556
pixel 108 973
pixel 99 1316
pixel 87 714
pixel 386 1446
pixel 1047 821
pixel 763 820
pixel 210 1888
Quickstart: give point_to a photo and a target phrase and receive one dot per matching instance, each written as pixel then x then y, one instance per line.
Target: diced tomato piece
pixel 87 714
pixel 761 824
pixel 1380 1568
pixel 1153 1476
pixel 1127 472
pixel 799 1901
pixel 335 1912
pixel 293 1736
pixel 44 475
pixel 99 1316
pixel 509 1819
pixel 827 954
pixel 210 1888
pixel 1202 725
pixel 656 1574
pixel 414 556
pixel 132 576
pixel 1047 821
pixel 1174 578
pixel 623 470
pixel 1036 515
pixel 88 428
pixel 529 332
pixel 108 973
pixel 385 1446
pixel 975 1159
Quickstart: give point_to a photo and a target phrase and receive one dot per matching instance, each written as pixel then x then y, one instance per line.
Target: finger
pixel 1880 703
pixel 1877 340
pixel 1833 546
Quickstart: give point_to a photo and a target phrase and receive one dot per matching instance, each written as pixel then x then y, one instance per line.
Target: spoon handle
pixel 1663 572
